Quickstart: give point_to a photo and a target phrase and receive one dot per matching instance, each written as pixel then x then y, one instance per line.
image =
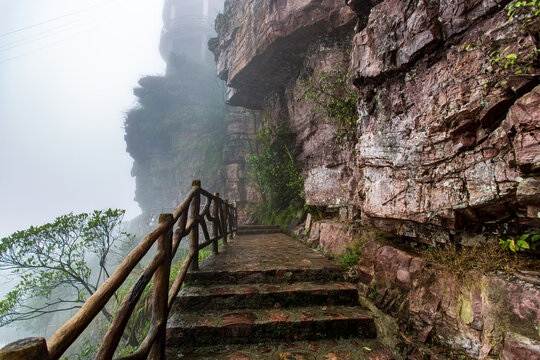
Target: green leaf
pixel 522 244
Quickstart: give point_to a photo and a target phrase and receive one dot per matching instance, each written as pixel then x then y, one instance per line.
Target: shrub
pixel 278 178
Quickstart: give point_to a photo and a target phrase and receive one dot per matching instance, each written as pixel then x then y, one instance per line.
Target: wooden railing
pixel 187 218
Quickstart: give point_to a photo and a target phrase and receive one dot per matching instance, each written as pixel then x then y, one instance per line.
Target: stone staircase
pixel 266 296
pixel 258 229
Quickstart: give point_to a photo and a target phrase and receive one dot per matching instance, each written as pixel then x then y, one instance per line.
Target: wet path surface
pixel 334 349
pixel 263 258
pixel 267 296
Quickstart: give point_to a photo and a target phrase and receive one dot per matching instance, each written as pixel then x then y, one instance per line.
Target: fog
pixel 64 87
pixel 67 69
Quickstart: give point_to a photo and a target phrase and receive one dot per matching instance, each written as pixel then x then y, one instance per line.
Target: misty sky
pixel 64 88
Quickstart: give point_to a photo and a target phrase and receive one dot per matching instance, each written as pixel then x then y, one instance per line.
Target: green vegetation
pixel 506 62
pixel 52 259
pixel 332 95
pixel 525 11
pixel 527 241
pixel 372 291
pixel 54 263
pixel 354 249
pixel 349 259
pixel 278 179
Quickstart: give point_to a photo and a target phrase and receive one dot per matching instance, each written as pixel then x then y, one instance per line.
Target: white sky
pixel 62 106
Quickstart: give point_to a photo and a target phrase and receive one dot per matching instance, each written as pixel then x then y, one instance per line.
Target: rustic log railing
pixel 188 218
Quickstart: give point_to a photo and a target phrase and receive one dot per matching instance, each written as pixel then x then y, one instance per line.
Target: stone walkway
pixel 267 296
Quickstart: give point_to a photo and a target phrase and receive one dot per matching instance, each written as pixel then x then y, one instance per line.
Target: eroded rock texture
pixel 481 315
pixel 242 126
pixel 437 147
pixel 261 43
pixel 435 154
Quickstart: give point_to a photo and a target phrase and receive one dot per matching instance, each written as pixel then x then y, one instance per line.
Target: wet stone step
pixel 258 229
pixel 254 275
pixel 337 349
pixel 256 258
pixel 219 297
pixel 269 325
pixel 255 232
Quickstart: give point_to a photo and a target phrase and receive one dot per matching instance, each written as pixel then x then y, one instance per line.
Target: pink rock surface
pixel 335 236
pixel 518 347
pixel 436 154
pixel 471 315
pixel 259 37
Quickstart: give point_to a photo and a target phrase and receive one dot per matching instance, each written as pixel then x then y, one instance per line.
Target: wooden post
pixel 194 236
pixel 215 224
pixel 228 217
pixel 222 213
pixel 236 218
pixel 25 349
pixel 160 295
pixel 233 221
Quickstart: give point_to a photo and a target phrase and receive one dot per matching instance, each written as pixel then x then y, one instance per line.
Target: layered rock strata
pixel 435 155
pixel 242 126
pixel 481 315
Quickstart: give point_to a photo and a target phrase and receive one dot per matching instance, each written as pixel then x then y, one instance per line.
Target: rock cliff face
pixel 445 148
pixel 480 315
pixel 175 134
pixel 442 148
pixel 242 125
pixel 261 44
pixel 437 147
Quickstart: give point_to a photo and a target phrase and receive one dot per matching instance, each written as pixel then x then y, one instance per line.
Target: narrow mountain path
pixel 267 296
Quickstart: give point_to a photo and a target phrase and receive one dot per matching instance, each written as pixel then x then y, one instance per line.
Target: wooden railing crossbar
pixel 188 218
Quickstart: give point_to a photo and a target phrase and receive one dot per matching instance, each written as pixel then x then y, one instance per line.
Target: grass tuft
pixel 485 258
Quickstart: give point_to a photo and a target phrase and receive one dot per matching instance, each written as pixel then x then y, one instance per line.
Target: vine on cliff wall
pixel 276 174
pixel 506 62
pixel 336 99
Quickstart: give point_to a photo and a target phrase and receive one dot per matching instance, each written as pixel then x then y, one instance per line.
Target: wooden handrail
pixel 188 217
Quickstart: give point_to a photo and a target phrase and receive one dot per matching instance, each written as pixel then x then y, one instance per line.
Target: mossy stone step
pixel 220 297
pixel 258 229
pixel 337 349
pixel 265 258
pixel 267 276
pixel 269 290
pixel 269 325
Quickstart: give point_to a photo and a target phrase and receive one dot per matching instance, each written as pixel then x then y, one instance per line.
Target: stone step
pixel 268 276
pixel 258 229
pixel 269 325
pixel 337 349
pixel 255 296
pixel 268 258
pixel 258 226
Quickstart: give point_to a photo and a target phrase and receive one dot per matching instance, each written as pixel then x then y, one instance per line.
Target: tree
pixel 55 259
